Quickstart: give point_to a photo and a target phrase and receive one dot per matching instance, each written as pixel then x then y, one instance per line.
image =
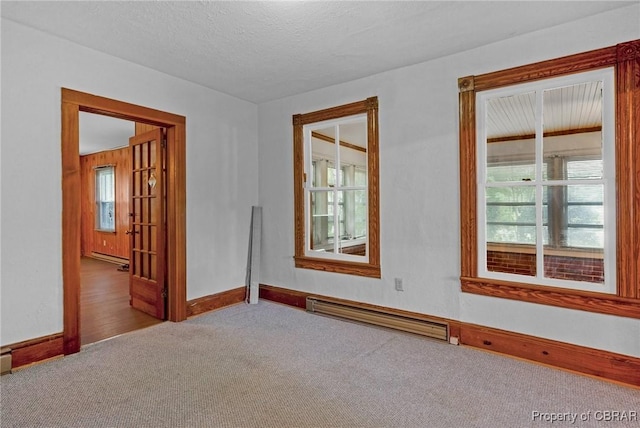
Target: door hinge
pixel 164 142
pixel 164 293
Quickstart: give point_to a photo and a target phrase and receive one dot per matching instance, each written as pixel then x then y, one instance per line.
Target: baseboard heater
pixel 5 361
pixel 354 312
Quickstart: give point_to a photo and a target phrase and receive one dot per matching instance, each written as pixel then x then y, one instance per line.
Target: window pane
pixel 586 194
pixel 353 150
pixel 585 216
pixel 320 219
pixel 510 214
pixel 584 169
pixel 323 153
pixel 518 261
pixel 576 216
pixel 353 223
pixel 510 172
pixel 360 177
pixel 511 230
pixel 510 131
pixel 585 238
pixel 107 218
pixel 572 123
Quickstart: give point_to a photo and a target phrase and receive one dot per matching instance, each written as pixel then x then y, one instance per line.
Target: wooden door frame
pixel 72 103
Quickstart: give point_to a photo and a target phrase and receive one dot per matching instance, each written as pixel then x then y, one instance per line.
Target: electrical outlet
pixel 398 284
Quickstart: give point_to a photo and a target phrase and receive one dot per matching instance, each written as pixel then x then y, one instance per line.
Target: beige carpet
pixel 269 365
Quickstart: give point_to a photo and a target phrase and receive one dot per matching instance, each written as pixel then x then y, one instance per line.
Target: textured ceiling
pixel 260 51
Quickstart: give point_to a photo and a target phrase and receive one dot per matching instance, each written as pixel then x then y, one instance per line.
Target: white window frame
pixel 606 75
pixel 99 172
pixel 308 189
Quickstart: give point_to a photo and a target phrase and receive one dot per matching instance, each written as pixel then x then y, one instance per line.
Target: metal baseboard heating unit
pixel 354 312
pixel 5 361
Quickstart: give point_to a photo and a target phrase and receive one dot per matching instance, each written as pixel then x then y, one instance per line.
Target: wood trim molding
pixel 215 301
pixel 625 58
pixel 601 303
pixel 468 197
pixel 337 112
pixel 119 109
pixel 284 296
pixel 570 64
pixel 36 350
pixel 604 365
pixel 338 266
pixel 629 51
pixel 628 169
pixel 466 84
pixel 71 224
pixel 72 102
pixel 601 364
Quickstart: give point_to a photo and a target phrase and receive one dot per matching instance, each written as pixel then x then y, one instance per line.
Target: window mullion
pixel 539 131
pixel 336 217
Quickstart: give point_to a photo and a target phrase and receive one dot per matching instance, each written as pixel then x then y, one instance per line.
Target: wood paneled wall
pixel 107 243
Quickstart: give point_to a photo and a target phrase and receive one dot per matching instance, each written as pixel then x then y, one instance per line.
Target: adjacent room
pixel 320 213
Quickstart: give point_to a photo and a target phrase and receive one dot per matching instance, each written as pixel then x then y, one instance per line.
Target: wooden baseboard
pixel 283 295
pixel 215 301
pixel 36 350
pixel 594 362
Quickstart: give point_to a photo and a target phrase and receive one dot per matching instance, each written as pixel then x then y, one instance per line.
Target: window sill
pixel 105 231
pixel 338 266
pixel 560 297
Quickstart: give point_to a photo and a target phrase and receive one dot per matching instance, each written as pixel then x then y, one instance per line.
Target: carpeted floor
pixel 269 365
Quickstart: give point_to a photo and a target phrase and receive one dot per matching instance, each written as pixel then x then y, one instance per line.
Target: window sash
pixel 539 183
pixel 335 185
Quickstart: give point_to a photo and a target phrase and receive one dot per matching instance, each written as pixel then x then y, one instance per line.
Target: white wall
pixel 420 240
pixel 221 171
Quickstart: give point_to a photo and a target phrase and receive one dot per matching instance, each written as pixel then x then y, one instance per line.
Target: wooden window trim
pixel 372 267
pixel 625 58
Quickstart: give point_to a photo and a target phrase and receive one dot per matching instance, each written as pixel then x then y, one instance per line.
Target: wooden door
pixel 147 223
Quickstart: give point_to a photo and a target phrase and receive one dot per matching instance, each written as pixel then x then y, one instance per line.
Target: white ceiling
pixel 261 51
pixel 265 50
pixel 99 133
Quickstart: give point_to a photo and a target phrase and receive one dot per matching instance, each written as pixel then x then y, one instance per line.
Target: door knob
pixel 129 232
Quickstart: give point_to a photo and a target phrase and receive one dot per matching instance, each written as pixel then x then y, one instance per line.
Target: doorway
pixel 107 304
pixel 72 102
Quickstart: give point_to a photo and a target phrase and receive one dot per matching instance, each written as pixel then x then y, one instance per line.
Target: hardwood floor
pixel 104 302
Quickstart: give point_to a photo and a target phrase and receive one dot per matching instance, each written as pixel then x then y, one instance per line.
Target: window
pixel 548 160
pixel 105 199
pixel 336 189
pixel 545 169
